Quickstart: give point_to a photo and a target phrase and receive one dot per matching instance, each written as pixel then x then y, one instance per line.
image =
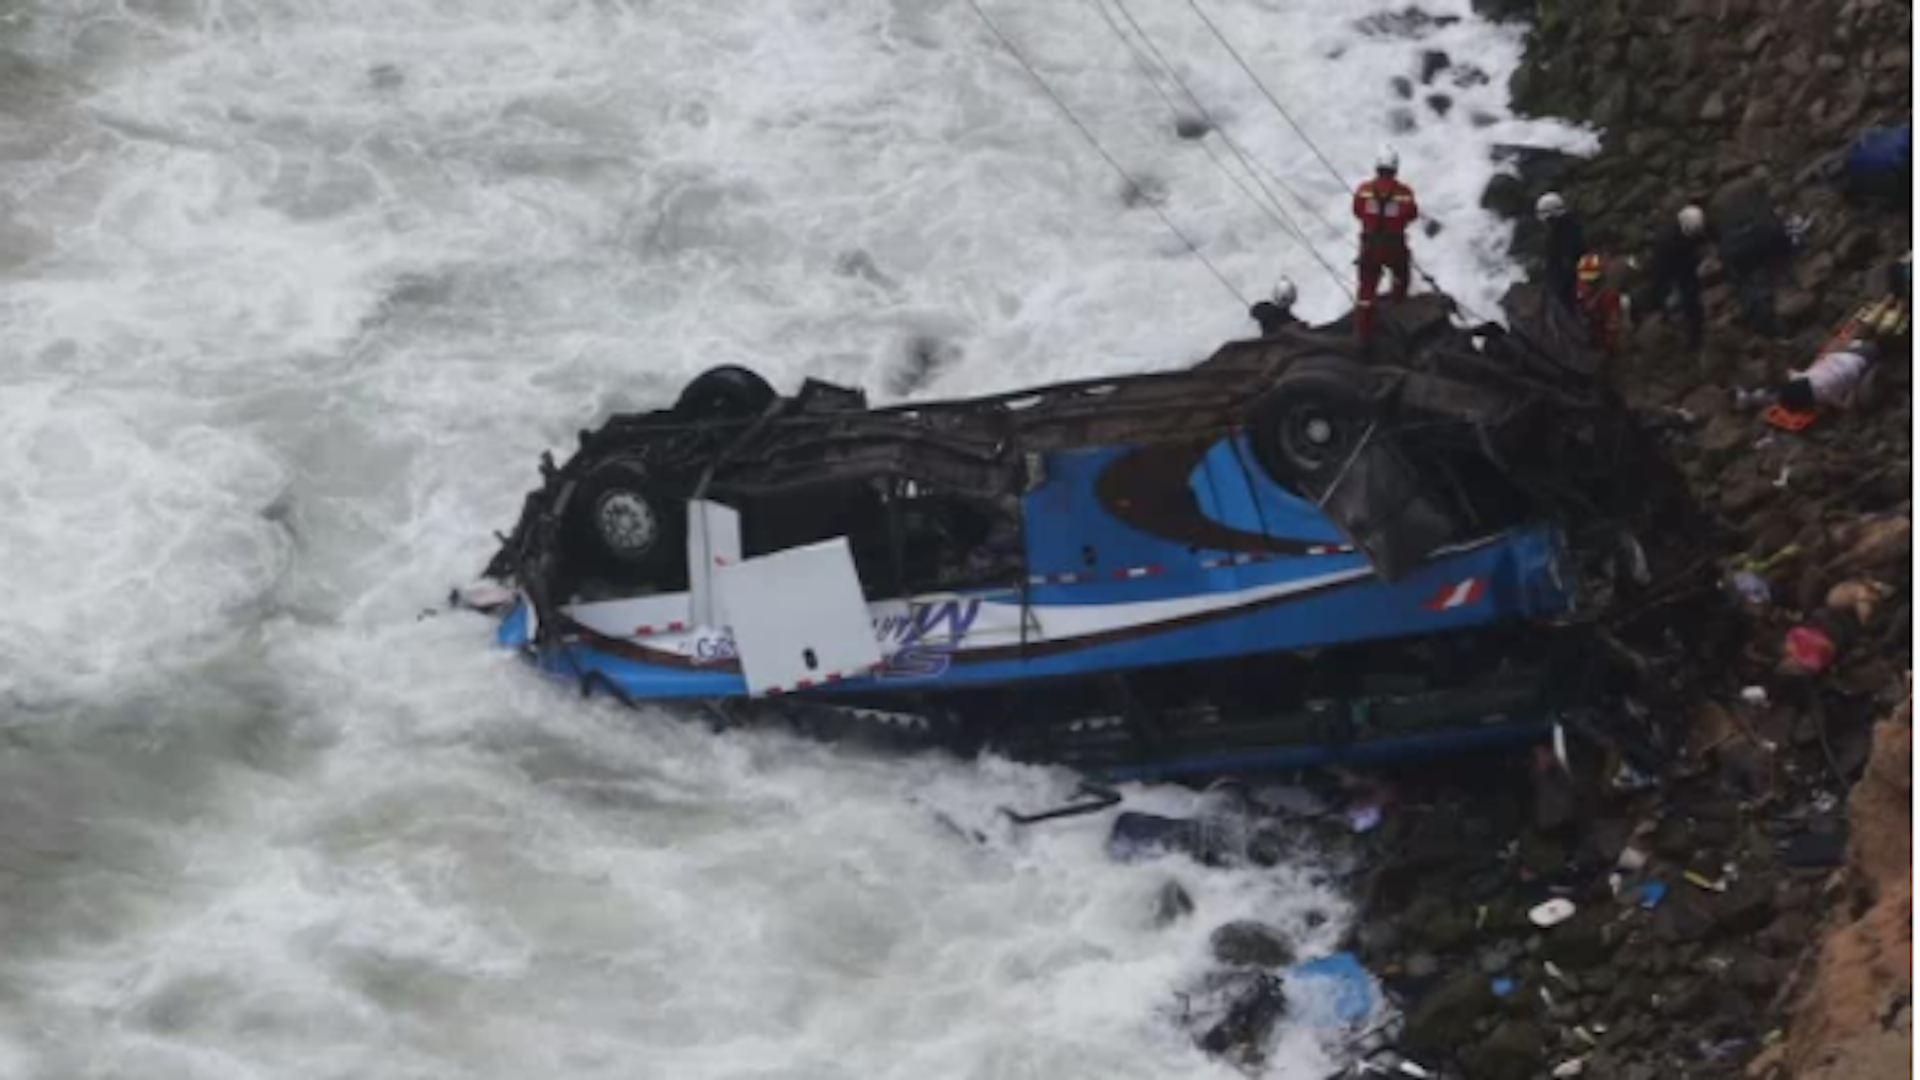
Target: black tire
pixel 1312 421
pixel 728 392
pixel 624 528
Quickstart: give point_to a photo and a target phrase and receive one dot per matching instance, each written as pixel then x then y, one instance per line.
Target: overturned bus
pixel 1297 551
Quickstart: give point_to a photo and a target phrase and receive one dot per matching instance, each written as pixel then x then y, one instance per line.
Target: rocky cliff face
pixel 1705 101
pixel 1700 95
pixel 1854 1017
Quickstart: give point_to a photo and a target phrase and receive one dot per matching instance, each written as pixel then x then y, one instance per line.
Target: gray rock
pixel 1438 1022
pixel 1378 940
pixel 1679 920
pixel 1554 804
pixel 1512 1052
pixel 1246 943
pixel 1499 956
pixel 1249 1020
pixel 1192 128
pixel 1819 268
pixel 1580 942
pixel 1171 905
pixel 1434 922
pixel 1422 965
pixel 1743 911
pixel 1794 308
pixel 1757 975
pixel 1507 196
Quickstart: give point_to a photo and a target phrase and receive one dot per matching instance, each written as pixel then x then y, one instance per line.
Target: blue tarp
pixel 1340 982
pixel 1881 153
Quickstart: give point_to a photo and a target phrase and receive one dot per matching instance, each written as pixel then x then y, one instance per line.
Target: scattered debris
pixel 1551 913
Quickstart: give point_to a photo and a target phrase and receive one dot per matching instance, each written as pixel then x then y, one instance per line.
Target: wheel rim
pixel 627 524
pixel 1314 439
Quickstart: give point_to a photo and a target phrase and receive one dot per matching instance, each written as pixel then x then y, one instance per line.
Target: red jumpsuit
pixel 1600 306
pixel 1385 208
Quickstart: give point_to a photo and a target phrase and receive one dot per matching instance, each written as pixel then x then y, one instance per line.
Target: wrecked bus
pixel 1297 551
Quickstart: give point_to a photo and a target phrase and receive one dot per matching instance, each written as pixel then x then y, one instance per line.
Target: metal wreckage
pixel 1298 551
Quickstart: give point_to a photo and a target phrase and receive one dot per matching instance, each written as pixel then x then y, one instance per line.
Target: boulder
pixel 1506 196
pixel 1171 904
pixel 1440 1022
pixel 1681 920
pixel 1794 307
pixel 1436 923
pixel 1242 1032
pixel 1512 1052
pixel 1743 911
pixel 1246 943
pixel 1580 942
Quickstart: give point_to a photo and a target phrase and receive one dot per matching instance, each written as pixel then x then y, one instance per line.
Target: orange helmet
pixel 1590 269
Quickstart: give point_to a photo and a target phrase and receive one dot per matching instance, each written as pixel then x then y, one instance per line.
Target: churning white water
pixel 293 293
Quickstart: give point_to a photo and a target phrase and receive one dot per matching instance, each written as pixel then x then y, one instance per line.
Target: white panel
pixel 713 540
pixel 798 617
pixel 636 617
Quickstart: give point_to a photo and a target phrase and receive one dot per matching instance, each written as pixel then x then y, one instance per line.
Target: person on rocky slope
pixel 1755 249
pixel 1841 378
pixel 1675 268
pixel 1566 243
pixel 1600 304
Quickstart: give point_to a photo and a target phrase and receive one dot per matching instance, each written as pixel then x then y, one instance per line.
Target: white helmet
pixel 1549 206
pixel 1693 220
pixel 1388 161
pixel 1285 292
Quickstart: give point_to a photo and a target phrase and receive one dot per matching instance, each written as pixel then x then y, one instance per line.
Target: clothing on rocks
pixel 1384 207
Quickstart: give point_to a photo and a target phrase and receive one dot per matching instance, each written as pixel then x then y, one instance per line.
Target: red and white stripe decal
pixel 665 628
pixel 1459 594
pixel 1129 573
pixel 809 684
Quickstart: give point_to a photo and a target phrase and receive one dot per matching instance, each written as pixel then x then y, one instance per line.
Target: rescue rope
pixel 1246 159
pixel 1146 70
pixel 1338 177
pixel 1314 148
pixel 1272 207
pixel 1133 186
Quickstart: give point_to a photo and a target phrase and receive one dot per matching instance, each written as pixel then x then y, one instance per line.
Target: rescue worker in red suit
pixel 1385 208
pixel 1600 304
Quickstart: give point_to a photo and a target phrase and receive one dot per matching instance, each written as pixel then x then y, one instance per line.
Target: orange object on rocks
pixel 1786 419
